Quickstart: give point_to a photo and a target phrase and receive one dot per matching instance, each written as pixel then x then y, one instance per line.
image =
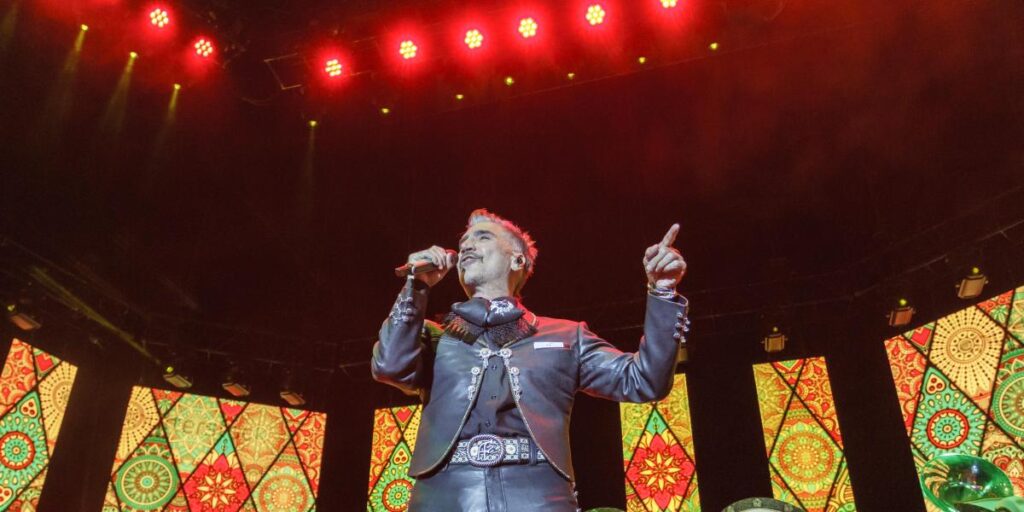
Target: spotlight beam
pixel 308 178
pixel 58 101
pixel 10 20
pixel 113 116
pixel 160 147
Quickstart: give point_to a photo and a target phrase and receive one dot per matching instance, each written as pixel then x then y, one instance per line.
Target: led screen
pixel 657 454
pixel 960 382
pixel 394 438
pixel 34 391
pixel 191 453
pixel 801 434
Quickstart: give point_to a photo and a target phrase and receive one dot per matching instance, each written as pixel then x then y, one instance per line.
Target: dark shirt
pixel 495 410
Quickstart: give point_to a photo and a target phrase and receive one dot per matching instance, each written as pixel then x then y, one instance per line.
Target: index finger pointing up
pixel 670 237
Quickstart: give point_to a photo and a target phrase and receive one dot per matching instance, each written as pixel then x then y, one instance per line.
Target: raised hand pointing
pixel 663 263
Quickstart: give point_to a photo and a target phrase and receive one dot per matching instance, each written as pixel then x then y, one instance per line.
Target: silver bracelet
pixel 661 293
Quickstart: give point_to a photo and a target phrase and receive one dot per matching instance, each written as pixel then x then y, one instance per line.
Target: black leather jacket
pixel 551 366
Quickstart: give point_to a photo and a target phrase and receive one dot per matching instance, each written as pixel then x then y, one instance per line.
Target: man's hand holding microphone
pixel 429 265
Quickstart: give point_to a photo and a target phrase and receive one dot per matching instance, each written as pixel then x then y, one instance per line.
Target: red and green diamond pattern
pixel 960 383
pixel 34 391
pixel 190 453
pixel 657 454
pixel 394 438
pixel 802 437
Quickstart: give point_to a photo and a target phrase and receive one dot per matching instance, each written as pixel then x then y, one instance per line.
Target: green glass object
pixel 954 482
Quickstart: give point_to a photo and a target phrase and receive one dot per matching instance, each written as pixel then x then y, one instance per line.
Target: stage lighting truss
pixel 204 48
pixel 160 18
pixel 407 49
pixel 595 14
pixel 333 68
pixel 527 28
pixel 291 71
pixel 474 39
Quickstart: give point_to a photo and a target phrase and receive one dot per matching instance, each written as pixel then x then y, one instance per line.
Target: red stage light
pixel 333 68
pixel 159 17
pixel 669 4
pixel 527 27
pixel 474 39
pixel 407 49
pixel 204 48
pixel 596 14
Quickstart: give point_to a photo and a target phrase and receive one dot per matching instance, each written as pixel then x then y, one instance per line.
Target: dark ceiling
pixel 806 152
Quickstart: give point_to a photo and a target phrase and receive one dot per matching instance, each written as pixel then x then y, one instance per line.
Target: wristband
pixel 661 293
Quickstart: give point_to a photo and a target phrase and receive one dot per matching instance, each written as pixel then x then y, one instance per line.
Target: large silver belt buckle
pixel 485 450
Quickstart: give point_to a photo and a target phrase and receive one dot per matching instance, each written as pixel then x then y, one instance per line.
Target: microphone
pixel 419 267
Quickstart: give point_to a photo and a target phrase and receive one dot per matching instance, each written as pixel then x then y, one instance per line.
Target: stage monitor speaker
pixel 761 505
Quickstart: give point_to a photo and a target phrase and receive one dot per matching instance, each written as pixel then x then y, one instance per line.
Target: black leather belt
pixel 487 450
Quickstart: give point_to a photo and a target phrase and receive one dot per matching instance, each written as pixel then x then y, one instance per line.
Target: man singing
pixel 498 382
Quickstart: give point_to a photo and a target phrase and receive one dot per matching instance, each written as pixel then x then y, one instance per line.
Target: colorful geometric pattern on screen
pixel 657 454
pixel 801 435
pixel 191 453
pixel 394 438
pixel 960 383
pixel 34 391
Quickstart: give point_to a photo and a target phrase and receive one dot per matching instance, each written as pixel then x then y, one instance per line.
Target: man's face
pixel 485 256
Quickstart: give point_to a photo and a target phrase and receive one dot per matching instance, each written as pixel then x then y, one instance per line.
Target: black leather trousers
pixel 514 488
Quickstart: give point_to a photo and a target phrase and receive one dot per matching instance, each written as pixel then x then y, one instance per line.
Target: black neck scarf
pixel 503 320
